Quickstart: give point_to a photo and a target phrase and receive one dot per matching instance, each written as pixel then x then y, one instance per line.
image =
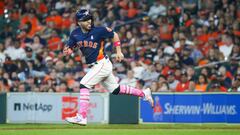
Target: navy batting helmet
pixel 83 15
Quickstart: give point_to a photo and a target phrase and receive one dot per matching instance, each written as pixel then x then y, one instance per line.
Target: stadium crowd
pixel 169 45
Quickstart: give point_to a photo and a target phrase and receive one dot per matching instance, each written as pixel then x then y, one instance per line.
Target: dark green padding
pixel 123 109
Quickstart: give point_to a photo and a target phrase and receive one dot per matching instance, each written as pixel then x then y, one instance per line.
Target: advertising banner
pixel 53 107
pixel 192 108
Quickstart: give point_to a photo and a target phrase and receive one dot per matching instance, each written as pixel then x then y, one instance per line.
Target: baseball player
pixel 90 40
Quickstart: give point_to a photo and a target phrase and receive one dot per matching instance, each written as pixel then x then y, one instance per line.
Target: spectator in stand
pixel 181 42
pixel 2 54
pixel 164 87
pixel 217 83
pixel 37 44
pixel 154 86
pixel 137 69
pixel 15 83
pixel 185 59
pixel 192 76
pixel 190 6
pixel 149 74
pixel 56 19
pixel 183 84
pixel 15 51
pixel 209 29
pixel 235 84
pixel 227 47
pixel 48 65
pixel 62 87
pixel 165 29
pixel 132 10
pixel 201 84
pixel 21 87
pixel 32 22
pixel 161 80
pixel 172 82
pixel 9 66
pixel 129 80
pixel 235 52
pixel 171 66
pixel 54 42
pixel 158 8
pixel 159 56
pixel 60 5
pixel 216 86
pixel 186 20
pixel 224 77
pixel 29 71
pixel 30 55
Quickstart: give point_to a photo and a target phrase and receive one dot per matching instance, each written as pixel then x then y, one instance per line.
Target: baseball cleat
pixel 78 119
pixel 148 96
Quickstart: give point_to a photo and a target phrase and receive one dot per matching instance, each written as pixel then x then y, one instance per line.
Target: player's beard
pixel 86 27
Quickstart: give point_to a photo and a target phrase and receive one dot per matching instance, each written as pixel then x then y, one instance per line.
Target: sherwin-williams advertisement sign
pixel 192 108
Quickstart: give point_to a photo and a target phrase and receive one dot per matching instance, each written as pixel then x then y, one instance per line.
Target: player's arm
pixel 117 44
pixel 67 49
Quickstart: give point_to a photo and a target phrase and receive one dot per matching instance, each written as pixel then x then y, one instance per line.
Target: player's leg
pixel 93 77
pixel 111 84
pixel 81 116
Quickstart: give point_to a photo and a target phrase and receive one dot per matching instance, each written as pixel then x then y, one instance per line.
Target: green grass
pixel 116 129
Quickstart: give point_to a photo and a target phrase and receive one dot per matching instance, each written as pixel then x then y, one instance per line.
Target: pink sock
pixel 127 90
pixel 84 102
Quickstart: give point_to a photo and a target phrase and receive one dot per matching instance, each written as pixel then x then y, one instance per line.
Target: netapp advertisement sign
pixel 53 107
pixel 33 107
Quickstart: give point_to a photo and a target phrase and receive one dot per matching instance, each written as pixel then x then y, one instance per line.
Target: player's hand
pixel 119 56
pixel 67 50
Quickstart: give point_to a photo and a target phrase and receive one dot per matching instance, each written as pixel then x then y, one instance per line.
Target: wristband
pixel 117 43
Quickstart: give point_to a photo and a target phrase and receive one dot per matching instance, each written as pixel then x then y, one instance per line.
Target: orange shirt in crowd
pixel 236 33
pixel 34 22
pixel 54 43
pixel 166 70
pixel 201 87
pixel 66 23
pixel 57 19
pixel 203 62
pixel 46 78
pixel 181 87
pixel 178 10
pixel 223 89
pixel 188 23
pixel 132 12
pixel 203 39
pixel 123 4
pixel 42 8
pixel 229 75
pixel 165 32
pixel 220 43
pixel 213 35
pixel 205 48
pixel 70 82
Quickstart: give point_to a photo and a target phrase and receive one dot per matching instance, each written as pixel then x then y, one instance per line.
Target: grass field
pixel 116 129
